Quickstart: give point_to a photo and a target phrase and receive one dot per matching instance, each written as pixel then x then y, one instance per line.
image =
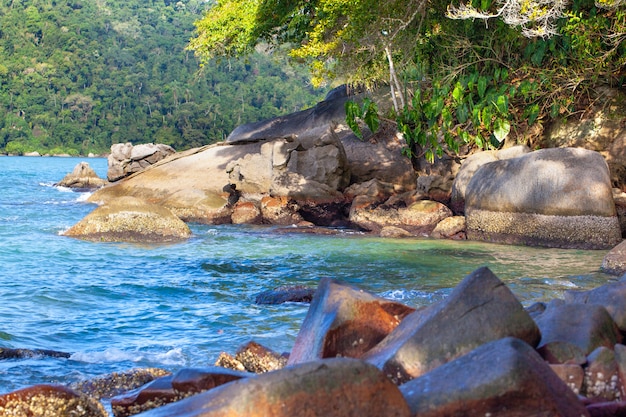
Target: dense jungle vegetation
pixel 79 75
pixel 472 72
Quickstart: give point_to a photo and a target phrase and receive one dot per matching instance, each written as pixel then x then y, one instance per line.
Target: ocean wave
pixel 172 357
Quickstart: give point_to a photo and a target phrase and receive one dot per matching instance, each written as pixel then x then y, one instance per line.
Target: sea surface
pixel 118 306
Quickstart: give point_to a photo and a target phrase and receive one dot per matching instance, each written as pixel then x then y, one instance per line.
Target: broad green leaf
pixel 482 86
pixel 462 113
pixel 501 129
pixel 353 112
pixel 502 104
pixel 457 94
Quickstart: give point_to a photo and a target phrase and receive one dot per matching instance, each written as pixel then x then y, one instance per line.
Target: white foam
pixel 83 197
pixel 113 355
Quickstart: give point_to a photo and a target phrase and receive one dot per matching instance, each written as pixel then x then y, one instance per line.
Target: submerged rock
pixel 129 219
pixel 286 294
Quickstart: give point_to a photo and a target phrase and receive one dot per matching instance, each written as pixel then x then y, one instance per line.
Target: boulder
pixel 612 296
pixel 586 326
pixel 620 360
pixel 332 387
pixel 614 262
pixel 572 375
pixel 344 321
pixel 246 212
pixel 49 401
pixel 126 159
pixel 479 310
pixel 450 228
pixel 550 197
pixel 504 378
pixel 469 168
pixel 129 219
pixel 280 211
pixel 83 177
pixel 9 353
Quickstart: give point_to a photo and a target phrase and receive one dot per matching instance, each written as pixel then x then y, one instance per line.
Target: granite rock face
pixel 83 177
pixel 126 159
pixel 550 197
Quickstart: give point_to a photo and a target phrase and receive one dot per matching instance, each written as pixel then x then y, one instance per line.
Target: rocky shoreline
pixel 478 352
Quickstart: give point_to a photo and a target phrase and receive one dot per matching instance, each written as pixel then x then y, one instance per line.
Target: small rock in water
pixel 284 294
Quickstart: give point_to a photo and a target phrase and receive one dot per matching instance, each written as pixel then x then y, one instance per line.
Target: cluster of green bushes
pixel 79 75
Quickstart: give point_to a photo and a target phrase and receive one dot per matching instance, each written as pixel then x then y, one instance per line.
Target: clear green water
pixel 120 306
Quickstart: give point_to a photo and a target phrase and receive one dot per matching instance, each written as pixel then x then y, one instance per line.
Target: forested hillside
pixel 79 75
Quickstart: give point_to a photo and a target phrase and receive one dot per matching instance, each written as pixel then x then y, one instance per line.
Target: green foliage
pixel 80 76
pixel 366 112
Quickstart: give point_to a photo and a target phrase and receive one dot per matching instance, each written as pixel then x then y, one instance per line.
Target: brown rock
pixel 424 213
pixel 246 212
pixel 154 394
pixel 344 321
pixel 333 387
pixel 227 361
pixel 620 360
pixel 572 375
pixel 601 375
pixel 562 352
pixel 607 409
pixel 280 211
pixel 480 309
pixel 49 401
pixel 584 325
pixel 129 219
pixel 165 390
pixel 610 295
pixel 259 359
pixel 394 232
pixel 504 378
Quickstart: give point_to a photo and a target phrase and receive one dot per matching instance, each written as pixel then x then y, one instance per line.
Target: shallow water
pixel 117 306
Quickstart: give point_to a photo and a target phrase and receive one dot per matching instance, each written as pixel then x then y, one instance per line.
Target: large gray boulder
pixel 83 177
pixel 551 197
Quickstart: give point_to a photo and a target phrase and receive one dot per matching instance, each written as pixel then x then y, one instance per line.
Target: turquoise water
pixel 117 306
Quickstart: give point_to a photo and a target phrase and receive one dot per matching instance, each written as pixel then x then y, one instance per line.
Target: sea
pixel 120 306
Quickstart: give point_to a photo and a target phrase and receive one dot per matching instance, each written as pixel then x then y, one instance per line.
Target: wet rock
pixel 152 395
pixel 9 353
pixel 286 294
pixel 611 296
pixel 129 219
pixel 505 378
pixel 607 409
pixel 83 177
pixel 584 325
pixel 394 232
pixel 601 375
pixel 550 197
pixel 344 321
pixel 479 310
pixel 259 359
pixel 168 389
pixel 49 401
pixel 107 386
pixel 614 262
pixel 226 360
pixel 333 387
pixel 620 360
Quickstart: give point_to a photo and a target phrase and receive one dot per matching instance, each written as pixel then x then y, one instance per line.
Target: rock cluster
pixel 82 178
pixel 126 159
pixel 478 352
